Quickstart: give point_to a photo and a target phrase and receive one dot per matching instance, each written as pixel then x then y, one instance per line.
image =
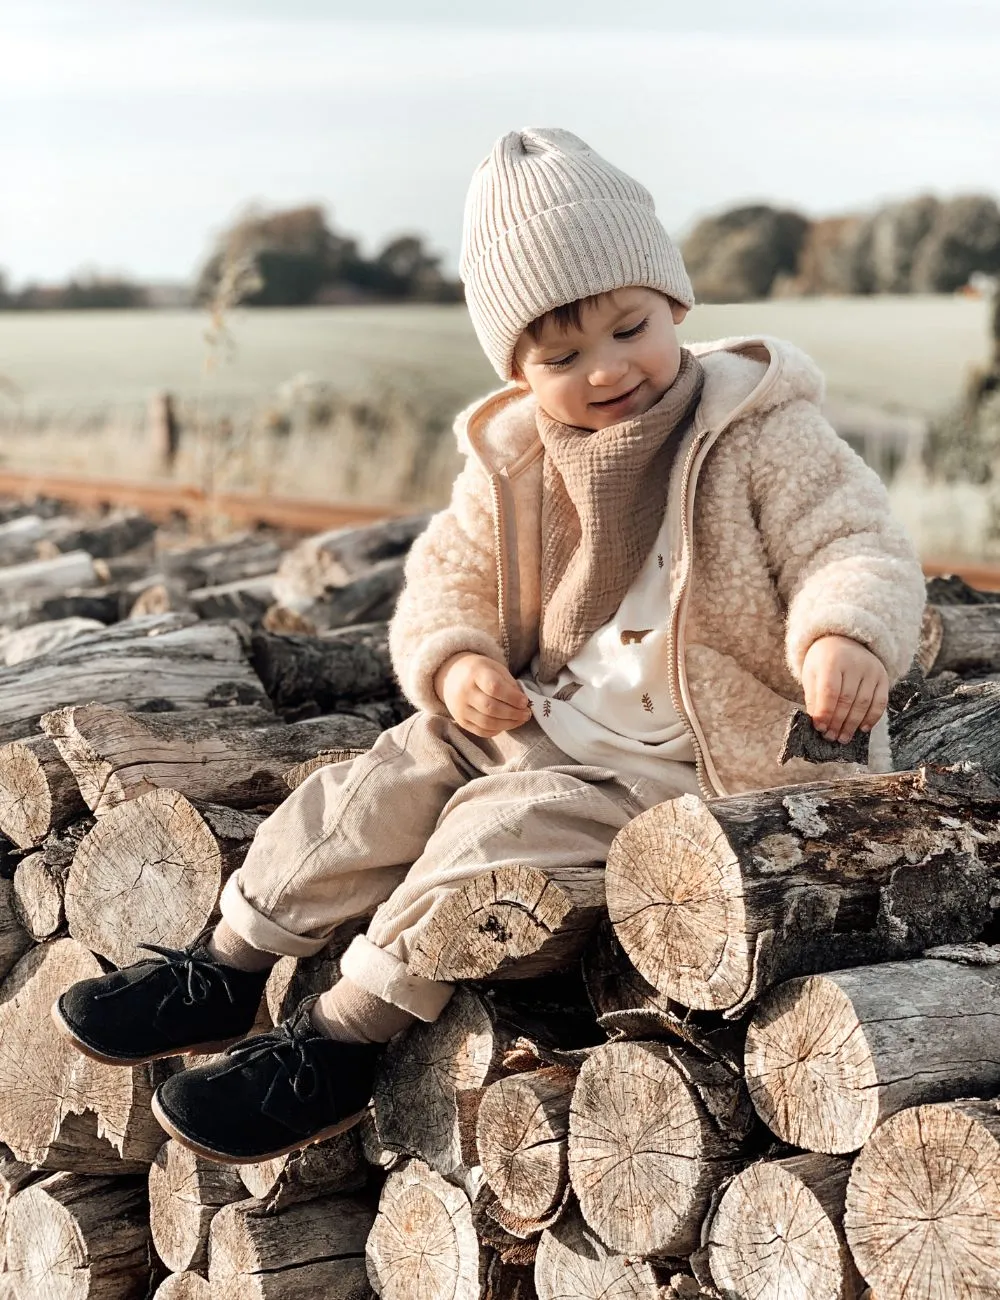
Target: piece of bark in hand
pixel 802 740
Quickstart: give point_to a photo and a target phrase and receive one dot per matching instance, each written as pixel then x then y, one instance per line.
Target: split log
pixel 513 922
pixel 923 1203
pixel 14 1176
pixel 522 1133
pixel 185 1194
pixel 99 604
pixel 70 1237
pixel 153 594
pixel 247 598
pixel 714 902
pixel 574 1264
pixel 19 538
pixel 370 597
pixel 324 671
pixel 38 792
pixel 334 559
pixel 19 582
pixel 15 938
pixel 40 881
pixel 777 1233
pixel 119 532
pixel 294 978
pixel 151 871
pixel 42 638
pixel 423 1242
pixel 132 666
pixel 653 1132
pixel 183 1286
pixel 54 1123
pixel 297 774
pixel 231 559
pixel 960 638
pixel 829 1057
pixel 336 1164
pixel 429 1082
pixel 961 726
pixel 315 1248
pixel 239 757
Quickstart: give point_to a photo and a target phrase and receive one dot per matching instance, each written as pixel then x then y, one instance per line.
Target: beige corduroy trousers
pixel 394 831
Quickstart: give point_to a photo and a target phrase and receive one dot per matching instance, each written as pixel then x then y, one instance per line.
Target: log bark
pixel 232 559
pixel 714 902
pixel 829 1057
pixel 367 598
pixel 429 1083
pixel 183 1286
pixel 315 1248
pixel 153 665
pixel 334 1165
pixel 239 757
pixel 38 792
pixel 247 598
pixel 574 1264
pixel 646 1152
pixel 151 871
pixel 324 671
pixel 960 638
pixel 522 1132
pixel 185 1194
pixel 76 1238
pixel 777 1233
pixel 962 726
pixel 923 1203
pixel 336 558
pixel 15 939
pixel 423 1244
pixel 40 881
pixel 116 534
pixel 513 922
pixel 100 604
pixel 55 1120
pixel 43 638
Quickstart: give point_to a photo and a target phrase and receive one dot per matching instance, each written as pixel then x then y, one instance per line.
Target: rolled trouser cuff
pixel 259 930
pixel 386 976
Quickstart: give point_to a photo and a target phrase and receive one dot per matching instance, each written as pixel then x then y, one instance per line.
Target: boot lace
pixel 193 974
pixel 288 1045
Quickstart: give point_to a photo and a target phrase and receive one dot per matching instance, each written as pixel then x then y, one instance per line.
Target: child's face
pixel 618 364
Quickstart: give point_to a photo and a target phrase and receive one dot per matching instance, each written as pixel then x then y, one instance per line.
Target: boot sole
pixel 222 1158
pixel 199 1049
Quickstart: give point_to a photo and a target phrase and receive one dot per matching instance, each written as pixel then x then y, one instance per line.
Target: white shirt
pixel 611 705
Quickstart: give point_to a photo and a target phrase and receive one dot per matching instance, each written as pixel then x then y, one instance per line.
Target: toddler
pixel 653 555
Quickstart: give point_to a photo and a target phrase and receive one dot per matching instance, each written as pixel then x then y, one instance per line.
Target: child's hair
pixel 569 315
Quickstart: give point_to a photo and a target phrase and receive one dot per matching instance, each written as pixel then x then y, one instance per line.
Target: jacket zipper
pixel 501 567
pixel 675 695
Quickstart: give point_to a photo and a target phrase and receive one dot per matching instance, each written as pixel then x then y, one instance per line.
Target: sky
pixel 133 131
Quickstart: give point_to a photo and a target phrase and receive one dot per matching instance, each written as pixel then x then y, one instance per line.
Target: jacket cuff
pixel 861 625
pixel 421 667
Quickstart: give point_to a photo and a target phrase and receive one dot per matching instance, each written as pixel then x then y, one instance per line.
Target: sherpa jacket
pixel 780 534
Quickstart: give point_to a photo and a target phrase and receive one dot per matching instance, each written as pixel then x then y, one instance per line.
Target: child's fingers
pixel 491 707
pixel 482 724
pixel 858 710
pixel 846 696
pixel 822 700
pixel 879 704
pixel 502 687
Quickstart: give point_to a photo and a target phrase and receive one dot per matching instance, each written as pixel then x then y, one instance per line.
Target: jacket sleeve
pixel 843 564
pixel 449 600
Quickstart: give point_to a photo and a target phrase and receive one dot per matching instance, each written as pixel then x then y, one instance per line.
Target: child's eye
pixel 561 362
pixel 636 329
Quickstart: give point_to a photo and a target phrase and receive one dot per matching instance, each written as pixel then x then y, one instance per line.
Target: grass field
pixel 356 403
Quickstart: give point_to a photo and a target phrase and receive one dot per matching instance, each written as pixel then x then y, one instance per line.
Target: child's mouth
pixel 618 401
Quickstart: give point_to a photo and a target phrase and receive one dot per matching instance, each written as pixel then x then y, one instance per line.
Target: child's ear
pixel 678 311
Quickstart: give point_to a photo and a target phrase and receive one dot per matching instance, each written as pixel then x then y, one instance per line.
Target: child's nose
pixel 608 373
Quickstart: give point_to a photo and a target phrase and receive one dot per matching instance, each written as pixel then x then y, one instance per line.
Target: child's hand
pixel 845 686
pixel 481 695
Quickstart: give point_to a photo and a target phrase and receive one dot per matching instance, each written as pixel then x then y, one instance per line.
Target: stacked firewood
pixel 754 1056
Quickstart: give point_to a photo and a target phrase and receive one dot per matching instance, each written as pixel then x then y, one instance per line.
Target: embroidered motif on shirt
pixel 647 703
pixel 568 691
pixel 634 638
pixel 659 560
pixel 546 708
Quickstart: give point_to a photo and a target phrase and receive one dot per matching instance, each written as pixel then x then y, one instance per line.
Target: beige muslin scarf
pixel 604 495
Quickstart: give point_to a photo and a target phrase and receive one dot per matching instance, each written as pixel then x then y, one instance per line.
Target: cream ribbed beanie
pixel 548 221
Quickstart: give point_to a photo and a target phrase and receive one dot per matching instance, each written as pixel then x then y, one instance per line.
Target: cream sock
pixel 229 948
pixel 351 1014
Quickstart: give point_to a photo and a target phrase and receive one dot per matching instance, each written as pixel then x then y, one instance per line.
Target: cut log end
pixel 674 896
pixel 777 1235
pixel 809 1070
pixel 923 1204
pixel 515 922
pixel 521 1137
pixel 37 791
